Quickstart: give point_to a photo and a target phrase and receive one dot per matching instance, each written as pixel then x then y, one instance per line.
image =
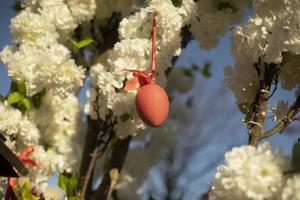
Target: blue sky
pixel 5 14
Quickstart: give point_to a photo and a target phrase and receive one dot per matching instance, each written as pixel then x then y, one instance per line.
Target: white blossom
pixel 82 10
pixel 131 54
pixel 280 110
pixel 48 68
pixel 19 131
pixel 33 29
pixel 187 10
pixel 41 61
pixel 59 123
pixel 213 18
pixel 136 26
pixel 270 32
pixel 136 31
pixel 49 162
pixel 250 173
pixel 59 14
pixel 243 80
pixel 271 35
pixel 290 71
pixel 129 127
pixel 291 189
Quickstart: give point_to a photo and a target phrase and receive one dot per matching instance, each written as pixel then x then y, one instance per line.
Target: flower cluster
pixel 291 189
pixel 280 110
pixel 212 19
pixel 49 68
pixel 19 131
pixel 271 35
pixel 51 132
pixel 41 61
pixel 254 173
pixel 59 120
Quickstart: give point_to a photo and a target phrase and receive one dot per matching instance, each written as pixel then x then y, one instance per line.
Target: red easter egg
pixel 152 104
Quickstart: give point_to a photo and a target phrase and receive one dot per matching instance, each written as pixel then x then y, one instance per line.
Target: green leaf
pixel 225 6
pixel 189 102
pixel 125 117
pixel 48 147
pixel 177 3
pixel 187 72
pixel 1 98
pixel 26 192
pixel 243 107
pixel 25 103
pixel 63 182
pixel 17 6
pixel 37 99
pixel 206 70
pixel 22 88
pixel 83 43
pixel 151 197
pixel 72 183
pixel 14 97
pixel 296 155
pixel 73 198
pixel 195 67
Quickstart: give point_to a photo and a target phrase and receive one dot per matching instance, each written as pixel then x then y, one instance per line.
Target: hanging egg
pixel 152 104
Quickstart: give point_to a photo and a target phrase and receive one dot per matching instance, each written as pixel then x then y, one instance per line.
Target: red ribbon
pixel 143 77
pixel 140 78
pixel 24 158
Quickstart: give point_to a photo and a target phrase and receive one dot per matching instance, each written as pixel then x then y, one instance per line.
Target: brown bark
pixel 259 106
pixel 118 156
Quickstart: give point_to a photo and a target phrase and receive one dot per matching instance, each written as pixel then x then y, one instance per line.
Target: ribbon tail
pixel 132 84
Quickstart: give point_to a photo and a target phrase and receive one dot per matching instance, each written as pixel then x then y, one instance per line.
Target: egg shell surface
pixel 152 104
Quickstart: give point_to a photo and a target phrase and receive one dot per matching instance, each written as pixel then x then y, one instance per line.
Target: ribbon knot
pixel 140 79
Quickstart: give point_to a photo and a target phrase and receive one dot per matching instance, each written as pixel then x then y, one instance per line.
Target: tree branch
pixel 282 125
pixel 89 173
pixel 259 106
pixel 118 156
pixel 105 189
pixel 98 146
pixel 92 139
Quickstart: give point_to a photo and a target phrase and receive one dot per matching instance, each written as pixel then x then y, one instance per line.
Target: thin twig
pixel 89 172
pixel 118 156
pixel 275 83
pixel 282 124
pixel 109 38
pixel 98 152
